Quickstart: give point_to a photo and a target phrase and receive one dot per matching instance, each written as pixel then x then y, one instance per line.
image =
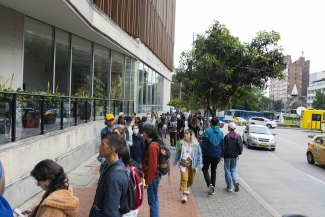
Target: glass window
pixel 134 84
pixel 62 61
pixel 145 88
pixel 127 78
pixel 101 71
pixel 38 56
pixel 81 65
pixel 116 76
pixel 150 88
pixel 140 88
pixel 154 98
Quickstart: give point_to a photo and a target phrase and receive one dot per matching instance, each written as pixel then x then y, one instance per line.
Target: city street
pixel 283 178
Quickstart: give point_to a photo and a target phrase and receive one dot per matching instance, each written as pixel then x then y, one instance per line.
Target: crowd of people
pixel 130 149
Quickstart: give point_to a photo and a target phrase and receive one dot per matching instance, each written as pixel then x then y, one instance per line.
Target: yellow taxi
pixel 316 150
pixel 239 121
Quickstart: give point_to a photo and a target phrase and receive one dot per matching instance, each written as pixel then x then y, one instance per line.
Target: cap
pixel 232 125
pixel 121 114
pixel 128 119
pixel 109 117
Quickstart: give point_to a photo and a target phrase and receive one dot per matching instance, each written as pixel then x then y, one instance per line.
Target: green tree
pixel 220 67
pixel 176 102
pixel 252 99
pixel 319 102
pixel 278 105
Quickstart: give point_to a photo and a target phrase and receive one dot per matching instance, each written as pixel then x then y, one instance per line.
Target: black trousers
pixel 207 161
pixel 180 135
pixel 172 136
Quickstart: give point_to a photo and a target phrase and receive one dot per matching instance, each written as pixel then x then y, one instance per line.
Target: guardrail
pixel 33 114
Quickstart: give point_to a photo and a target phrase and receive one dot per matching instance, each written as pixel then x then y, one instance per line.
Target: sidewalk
pixel 243 203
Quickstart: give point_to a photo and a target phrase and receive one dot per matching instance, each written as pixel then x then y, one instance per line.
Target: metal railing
pixel 46 109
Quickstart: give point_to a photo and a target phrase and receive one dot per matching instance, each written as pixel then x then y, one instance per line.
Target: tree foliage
pixel 221 68
pixel 319 102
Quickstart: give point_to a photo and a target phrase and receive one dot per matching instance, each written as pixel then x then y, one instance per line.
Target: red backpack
pixel 138 187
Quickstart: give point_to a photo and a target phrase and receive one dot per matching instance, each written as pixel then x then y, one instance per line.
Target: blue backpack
pixel 5 209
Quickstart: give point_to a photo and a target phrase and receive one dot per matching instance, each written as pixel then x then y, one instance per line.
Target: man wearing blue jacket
pixel 113 184
pixel 212 151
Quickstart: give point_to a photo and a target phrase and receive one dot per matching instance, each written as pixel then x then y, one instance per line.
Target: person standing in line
pixel 138 144
pixel 232 142
pixel 133 116
pixel 109 122
pixel 161 130
pixel 188 150
pixel 113 184
pixel 180 127
pixel 150 165
pixel 212 150
pixel 172 126
pixel 139 121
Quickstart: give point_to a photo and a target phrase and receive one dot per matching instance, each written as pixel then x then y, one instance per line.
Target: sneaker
pixel 188 191
pixel 228 189
pixel 184 198
pixel 211 190
pixel 236 187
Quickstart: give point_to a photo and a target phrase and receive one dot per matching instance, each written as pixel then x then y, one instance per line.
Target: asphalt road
pixel 283 178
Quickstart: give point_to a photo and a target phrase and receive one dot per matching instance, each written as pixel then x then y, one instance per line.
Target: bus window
pixel 302 115
pixel 316 117
pixel 238 114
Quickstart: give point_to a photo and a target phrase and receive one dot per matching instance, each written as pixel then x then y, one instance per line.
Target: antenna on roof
pixel 302 53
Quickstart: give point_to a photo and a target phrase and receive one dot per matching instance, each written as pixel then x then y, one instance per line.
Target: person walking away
pixel 138 145
pixel 150 166
pixel 109 122
pixel 162 129
pixel 189 150
pixel 180 127
pixel 172 126
pixel 58 199
pixel 212 150
pixel 232 142
pixel 113 183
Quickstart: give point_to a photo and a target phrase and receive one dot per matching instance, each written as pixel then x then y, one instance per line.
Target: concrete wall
pixel 69 147
pixel 11 45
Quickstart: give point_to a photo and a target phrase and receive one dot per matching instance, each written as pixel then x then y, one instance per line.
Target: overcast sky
pixel 301 24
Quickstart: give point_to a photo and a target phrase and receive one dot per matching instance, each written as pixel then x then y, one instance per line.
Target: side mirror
pixel 274 134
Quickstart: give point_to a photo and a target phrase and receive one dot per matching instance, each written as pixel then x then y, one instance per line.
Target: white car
pixel 259 136
pixel 262 121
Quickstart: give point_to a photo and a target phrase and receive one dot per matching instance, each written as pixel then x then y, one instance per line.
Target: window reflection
pixel 145 88
pixel 81 62
pixel 140 88
pixel 38 56
pixel 116 76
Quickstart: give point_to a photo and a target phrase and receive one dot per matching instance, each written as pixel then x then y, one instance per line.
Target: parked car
pixel 239 121
pixel 259 136
pixel 316 150
pixel 262 121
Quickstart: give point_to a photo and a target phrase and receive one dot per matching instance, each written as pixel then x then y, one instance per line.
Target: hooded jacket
pixel 232 142
pixel 212 144
pixel 60 203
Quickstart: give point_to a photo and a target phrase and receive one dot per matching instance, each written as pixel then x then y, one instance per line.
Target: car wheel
pixel 272 149
pixel 310 158
pixel 244 140
pixel 269 126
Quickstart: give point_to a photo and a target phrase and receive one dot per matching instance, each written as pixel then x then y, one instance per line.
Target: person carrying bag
pixel 189 156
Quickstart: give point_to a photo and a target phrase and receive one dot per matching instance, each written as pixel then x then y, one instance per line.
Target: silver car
pixel 259 136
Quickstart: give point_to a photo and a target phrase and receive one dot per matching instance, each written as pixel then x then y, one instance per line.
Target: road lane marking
pixel 271 153
pixel 315 178
pixel 292 142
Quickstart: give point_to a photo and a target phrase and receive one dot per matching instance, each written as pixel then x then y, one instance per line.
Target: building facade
pixel 316 83
pixel 297 73
pixel 120 51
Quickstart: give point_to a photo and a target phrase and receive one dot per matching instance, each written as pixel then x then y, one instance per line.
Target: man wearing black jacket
pixel 232 143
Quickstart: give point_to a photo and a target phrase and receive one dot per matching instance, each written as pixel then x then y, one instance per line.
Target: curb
pixel 254 195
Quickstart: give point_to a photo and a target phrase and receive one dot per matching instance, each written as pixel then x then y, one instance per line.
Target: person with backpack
pixel 233 147
pixel 5 209
pixel 162 127
pixel 172 126
pixel 150 160
pixel 189 157
pixel 112 193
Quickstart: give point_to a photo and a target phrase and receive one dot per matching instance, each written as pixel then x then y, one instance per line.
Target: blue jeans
pixel 230 170
pixel 152 194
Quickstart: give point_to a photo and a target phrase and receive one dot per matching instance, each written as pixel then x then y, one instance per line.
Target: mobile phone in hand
pixel 18 212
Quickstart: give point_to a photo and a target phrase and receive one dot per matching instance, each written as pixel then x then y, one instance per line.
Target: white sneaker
pixel 188 191
pixel 211 190
pixel 184 198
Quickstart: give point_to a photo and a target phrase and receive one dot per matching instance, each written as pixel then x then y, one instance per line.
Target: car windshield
pixel 260 130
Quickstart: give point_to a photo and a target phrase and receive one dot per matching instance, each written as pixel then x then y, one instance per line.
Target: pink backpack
pixel 138 187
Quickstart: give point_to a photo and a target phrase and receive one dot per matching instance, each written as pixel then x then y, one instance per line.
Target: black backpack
pixel 129 201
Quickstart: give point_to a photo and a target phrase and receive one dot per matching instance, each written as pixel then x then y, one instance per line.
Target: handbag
pixel 184 163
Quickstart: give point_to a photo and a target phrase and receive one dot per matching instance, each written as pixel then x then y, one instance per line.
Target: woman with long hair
pixel 189 156
pixel 194 125
pixel 58 199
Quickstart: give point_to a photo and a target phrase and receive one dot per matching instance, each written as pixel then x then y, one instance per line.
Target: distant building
pixel 297 73
pixel 316 83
